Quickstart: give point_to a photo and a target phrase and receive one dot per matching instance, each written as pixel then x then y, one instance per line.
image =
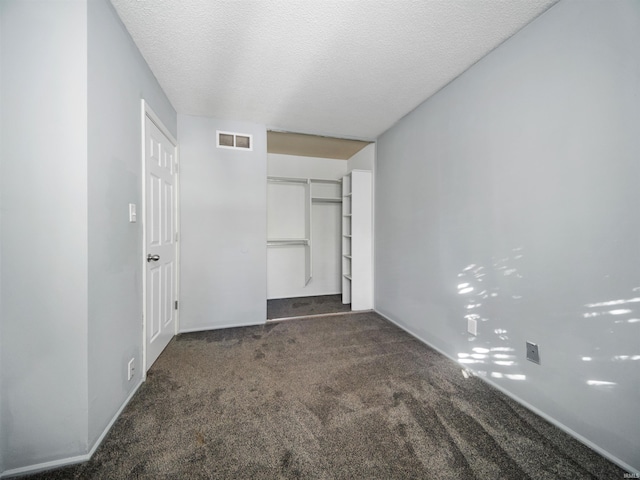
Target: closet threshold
pixel 301 317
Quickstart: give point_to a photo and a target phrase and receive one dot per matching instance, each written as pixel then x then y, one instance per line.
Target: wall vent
pixel 236 141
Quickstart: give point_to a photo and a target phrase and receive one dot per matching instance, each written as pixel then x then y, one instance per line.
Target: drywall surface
pixel 118 78
pixel 305 167
pixel 2 427
pixel 364 159
pixel 286 218
pixel 223 218
pixel 44 231
pixel 508 198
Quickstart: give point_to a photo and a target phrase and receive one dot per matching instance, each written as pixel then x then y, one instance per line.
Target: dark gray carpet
pixel 303 306
pixel 339 397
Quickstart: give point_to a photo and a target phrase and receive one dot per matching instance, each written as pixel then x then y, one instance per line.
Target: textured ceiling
pixel 347 68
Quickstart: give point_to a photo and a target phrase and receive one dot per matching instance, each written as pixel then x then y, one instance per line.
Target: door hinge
pixel 176 236
pixel 176 304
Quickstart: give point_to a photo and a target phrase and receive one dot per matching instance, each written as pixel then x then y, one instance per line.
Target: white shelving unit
pixel 317 190
pixel 302 241
pixel 357 264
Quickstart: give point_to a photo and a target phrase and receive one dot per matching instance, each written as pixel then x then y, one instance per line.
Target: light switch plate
pixel 133 216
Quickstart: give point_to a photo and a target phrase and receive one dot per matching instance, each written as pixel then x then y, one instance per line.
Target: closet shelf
pixel 356 243
pixel 326 180
pixel 272 178
pixel 287 180
pixel 272 242
pixel 326 200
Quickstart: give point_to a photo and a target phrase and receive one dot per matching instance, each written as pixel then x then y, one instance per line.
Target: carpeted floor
pixel 303 306
pixel 337 397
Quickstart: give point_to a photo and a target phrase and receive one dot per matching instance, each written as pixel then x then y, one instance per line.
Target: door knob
pixel 153 258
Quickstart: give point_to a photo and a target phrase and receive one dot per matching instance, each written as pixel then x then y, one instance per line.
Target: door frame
pixel 147 112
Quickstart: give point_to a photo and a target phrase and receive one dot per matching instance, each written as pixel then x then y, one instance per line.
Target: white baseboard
pixel 525 404
pixel 99 440
pixel 65 462
pixel 40 467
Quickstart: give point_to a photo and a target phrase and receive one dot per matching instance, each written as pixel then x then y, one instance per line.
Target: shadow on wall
pixel 498 358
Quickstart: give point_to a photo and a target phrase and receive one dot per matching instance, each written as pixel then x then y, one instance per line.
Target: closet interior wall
pixel 298 268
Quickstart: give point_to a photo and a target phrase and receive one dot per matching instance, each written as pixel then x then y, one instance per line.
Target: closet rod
pixel 286 180
pixel 302 180
pixel 283 242
pixel 325 180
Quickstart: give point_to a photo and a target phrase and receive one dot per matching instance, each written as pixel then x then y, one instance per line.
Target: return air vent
pixel 236 141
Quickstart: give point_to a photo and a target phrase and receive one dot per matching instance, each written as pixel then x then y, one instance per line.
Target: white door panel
pixel 160 227
pixel 154 307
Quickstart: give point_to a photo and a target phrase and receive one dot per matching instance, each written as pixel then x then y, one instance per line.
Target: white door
pixel 160 241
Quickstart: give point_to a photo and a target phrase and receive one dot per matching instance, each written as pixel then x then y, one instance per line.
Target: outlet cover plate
pixel 533 355
pixel 131 369
pixel 472 326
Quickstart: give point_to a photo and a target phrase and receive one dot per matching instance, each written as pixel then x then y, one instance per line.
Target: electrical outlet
pixel 472 326
pixel 532 353
pixel 131 369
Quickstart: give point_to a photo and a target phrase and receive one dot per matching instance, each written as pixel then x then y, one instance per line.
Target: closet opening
pixel 310 237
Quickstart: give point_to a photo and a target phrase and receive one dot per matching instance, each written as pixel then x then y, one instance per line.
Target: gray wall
pixel 509 196
pixel 118 79
pixel 44 231
pixel 364 159
pixel 2 439
pixel 71 301
pixel 223 226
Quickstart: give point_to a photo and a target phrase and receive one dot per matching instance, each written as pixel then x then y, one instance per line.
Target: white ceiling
pixel 346 68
